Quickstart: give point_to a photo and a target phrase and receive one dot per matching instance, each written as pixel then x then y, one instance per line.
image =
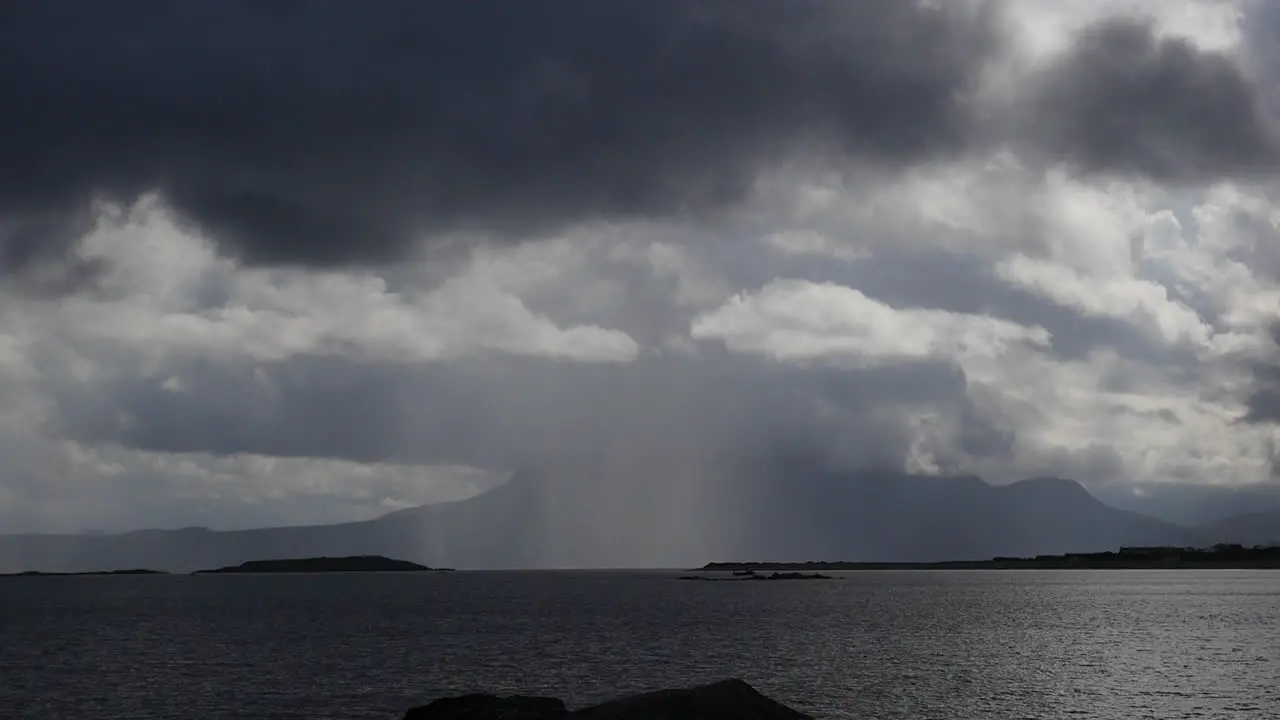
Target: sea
pixel 908 644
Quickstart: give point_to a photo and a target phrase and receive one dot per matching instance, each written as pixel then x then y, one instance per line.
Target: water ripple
pixel 1041 646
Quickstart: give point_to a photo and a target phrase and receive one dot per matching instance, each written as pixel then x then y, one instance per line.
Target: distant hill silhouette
pixel 1248 529
pixel 921 519
pixel 1188 504
pixel 576 519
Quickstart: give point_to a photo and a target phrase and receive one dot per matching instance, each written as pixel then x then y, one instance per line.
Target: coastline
pixel 323 565
pixel 1221 557
pixel 89 573
pixel 974 565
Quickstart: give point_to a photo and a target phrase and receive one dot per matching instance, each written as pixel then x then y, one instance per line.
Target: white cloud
pixel 809 242
pixel 1193 270
pixel 1145 304
pixel 1045 27
pixel 168 291
pixel 961 206
pixel 1158 427
pixel 797 320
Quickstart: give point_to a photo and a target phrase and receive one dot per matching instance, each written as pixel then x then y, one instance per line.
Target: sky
pixel 265 264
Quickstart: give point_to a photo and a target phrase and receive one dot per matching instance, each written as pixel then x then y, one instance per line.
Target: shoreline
pixel 88 573
pixel 1222 558
pixel 323 565
pixel 975 565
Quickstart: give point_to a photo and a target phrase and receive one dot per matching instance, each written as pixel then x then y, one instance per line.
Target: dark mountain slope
pixel 1187 504
pixel 872 516
pixel 1248 529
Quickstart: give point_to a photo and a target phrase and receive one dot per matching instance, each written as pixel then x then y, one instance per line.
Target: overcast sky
pixel 270 264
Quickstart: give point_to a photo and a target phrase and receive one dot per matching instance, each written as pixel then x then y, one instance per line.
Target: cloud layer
pixel 271 265
pixel 341 132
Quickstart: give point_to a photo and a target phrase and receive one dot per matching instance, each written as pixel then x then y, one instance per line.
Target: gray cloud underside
pixel 1264 401
pixel 514 413
pixel 508 412
pixel 344 131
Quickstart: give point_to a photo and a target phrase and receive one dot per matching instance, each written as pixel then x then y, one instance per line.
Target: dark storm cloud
pixel 334 131
pixel 1263 402
pixel 1260 250
pixel 1125 99
pixel 1260 35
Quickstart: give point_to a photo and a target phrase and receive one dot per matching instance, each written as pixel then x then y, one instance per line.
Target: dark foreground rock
pixel 725 699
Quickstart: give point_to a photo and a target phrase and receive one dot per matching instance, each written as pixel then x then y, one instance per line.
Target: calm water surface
pixel 953 645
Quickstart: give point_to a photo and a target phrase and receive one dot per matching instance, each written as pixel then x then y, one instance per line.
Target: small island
pixel 750 575
pixel 91 573
pixel 1224 557
pixel 354 563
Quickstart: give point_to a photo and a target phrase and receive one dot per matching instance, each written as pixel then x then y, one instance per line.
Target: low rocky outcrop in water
pixel 725 699
pixel 774 576
pixel 357 563
pixel 90 573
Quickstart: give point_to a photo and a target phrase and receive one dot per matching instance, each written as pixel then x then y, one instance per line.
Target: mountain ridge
pixel 568 519
pixel 1247 529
